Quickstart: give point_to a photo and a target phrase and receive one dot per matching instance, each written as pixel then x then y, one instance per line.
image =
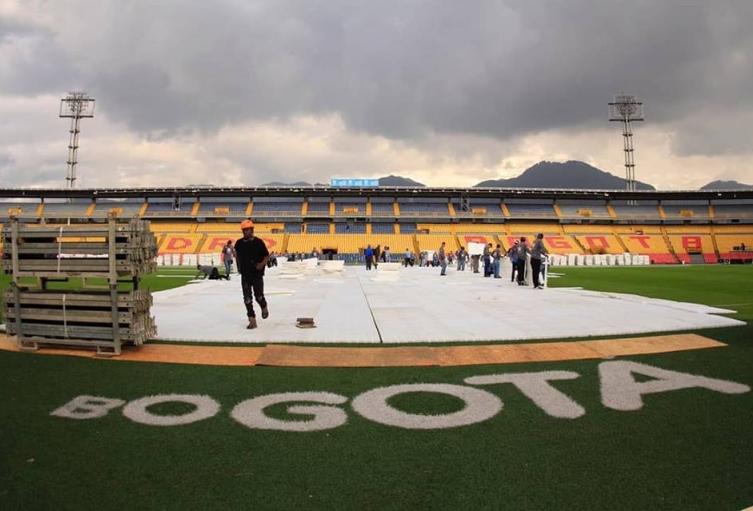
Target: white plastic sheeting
pixel 420 306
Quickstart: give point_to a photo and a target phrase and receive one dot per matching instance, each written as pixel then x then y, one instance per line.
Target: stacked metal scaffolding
pixel 106 309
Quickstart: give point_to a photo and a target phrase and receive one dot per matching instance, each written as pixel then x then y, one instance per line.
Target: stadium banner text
pixel 354 182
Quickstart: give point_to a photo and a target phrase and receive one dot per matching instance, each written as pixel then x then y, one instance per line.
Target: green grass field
pixel 166 278
pixel 686 449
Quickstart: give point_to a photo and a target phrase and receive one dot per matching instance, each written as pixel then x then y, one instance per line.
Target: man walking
pixel 252 255
pixel 537 252
pixel 228 255
pixel 369 255
pixel 442 256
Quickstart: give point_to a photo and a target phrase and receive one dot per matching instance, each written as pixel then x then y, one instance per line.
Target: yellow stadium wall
pixel 533 229
pixel 692 243
pixel 348 243
pixel 554 243
pixel 600 243
pixel 726 242
pixel 191 237
pixel 186 243
pixel 645 243
pixel 235 227
pixel 433 241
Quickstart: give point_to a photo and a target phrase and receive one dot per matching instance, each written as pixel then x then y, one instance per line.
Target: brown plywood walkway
pixel 401 356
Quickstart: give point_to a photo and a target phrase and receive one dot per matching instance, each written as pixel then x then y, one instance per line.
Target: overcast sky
pixel 242 92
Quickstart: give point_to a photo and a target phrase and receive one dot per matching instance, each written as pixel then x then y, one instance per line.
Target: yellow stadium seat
pixel 555 243
pixel 186 243
pixel 433 241
pixel 727 242
pixel 529 229
pixel 601 243
pixel 645 243
pixel 348 243
pixel 235 227
pixel 173 226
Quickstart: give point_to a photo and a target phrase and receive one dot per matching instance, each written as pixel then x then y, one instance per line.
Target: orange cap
pixel 247 224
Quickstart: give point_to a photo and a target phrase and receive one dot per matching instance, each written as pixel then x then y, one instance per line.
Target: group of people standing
pixel 252 257
pixel 492 257
pixel 375 255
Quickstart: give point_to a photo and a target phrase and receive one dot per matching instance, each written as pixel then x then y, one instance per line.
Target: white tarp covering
pixel 419 307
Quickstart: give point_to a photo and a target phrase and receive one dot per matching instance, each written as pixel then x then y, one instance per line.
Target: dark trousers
pixel 521 267
pixel 535 268
pixel 369 262
pixel 487 266
pixel 253 288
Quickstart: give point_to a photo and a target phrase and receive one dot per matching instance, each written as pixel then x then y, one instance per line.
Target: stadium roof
pixel 287 191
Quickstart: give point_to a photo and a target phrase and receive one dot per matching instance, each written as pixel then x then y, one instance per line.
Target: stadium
pixel 498 324
pixel 695 244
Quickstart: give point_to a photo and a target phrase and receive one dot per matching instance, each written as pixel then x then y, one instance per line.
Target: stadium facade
pixel 668 226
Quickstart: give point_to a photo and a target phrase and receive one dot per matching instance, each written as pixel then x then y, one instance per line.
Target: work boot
pixel 264 312
pixel 251 323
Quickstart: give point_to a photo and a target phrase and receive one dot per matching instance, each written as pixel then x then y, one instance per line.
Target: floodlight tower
pixel 76 105
pixel 626 109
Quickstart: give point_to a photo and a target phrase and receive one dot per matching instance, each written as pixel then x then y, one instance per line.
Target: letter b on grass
pixel 87 407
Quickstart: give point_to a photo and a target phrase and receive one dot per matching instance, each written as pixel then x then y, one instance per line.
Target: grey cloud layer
pixel 399 69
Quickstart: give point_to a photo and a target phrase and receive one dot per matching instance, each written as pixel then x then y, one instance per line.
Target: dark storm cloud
pixel 32 61
pixel 405 68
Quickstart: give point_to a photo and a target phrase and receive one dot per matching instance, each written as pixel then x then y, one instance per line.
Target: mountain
pixel 383 181
pixel 399 181
pixel 726 185
pixel 277 183
pixel 571 174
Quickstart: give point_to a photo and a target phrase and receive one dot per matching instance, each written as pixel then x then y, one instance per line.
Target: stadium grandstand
pixel 670 227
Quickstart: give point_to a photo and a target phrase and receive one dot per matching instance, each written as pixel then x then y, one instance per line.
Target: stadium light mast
pixel 76 105
pixel 626 109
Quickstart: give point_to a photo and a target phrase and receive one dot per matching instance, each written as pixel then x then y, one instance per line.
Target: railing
pixel 641 216
pixel 256 213
pixel 531 214
pixel 168 213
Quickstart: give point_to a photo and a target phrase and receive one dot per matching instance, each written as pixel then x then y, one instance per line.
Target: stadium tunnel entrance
pixel 328 253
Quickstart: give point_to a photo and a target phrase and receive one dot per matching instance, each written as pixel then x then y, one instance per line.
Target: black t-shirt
pixel 250 253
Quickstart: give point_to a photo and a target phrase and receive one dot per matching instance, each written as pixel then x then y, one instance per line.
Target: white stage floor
pixel 359 307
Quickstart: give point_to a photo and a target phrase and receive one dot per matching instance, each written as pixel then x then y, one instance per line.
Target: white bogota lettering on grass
pixel 479 406
pixel 206 407
pixel 87 407
pixel 251 412
pixel 536 387
pixel 619 391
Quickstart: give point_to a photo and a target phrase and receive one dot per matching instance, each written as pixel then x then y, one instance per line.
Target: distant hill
pixel 383 181
pixel 726 185
pixel 399 181
pixel 277 183
pixel 571 174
